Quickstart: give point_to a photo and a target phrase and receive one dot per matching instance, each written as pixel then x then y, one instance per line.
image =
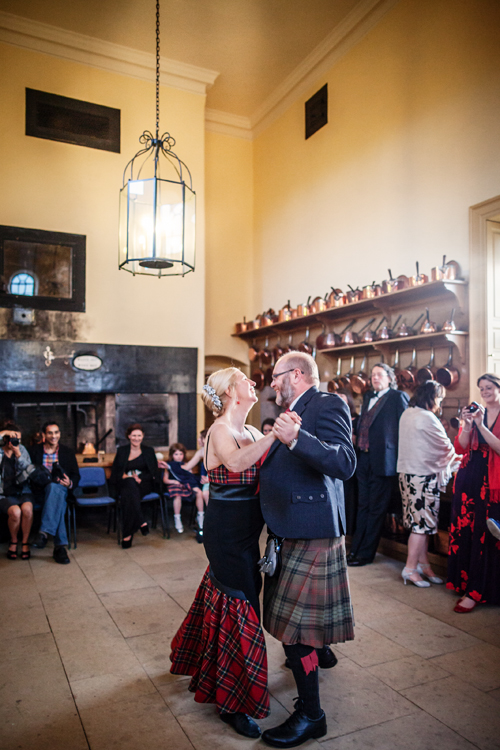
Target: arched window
pixel 22 283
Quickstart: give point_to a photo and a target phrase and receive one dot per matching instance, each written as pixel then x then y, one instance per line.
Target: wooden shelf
pixel 403 343
pixel 456 291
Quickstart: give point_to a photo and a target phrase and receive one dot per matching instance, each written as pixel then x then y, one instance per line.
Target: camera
pixel 474 406
pixel 57 472
pixel 14 441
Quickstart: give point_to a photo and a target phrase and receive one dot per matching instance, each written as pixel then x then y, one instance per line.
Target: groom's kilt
pixel 310 602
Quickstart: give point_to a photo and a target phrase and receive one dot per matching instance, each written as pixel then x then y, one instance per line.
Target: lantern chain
pixel 157 69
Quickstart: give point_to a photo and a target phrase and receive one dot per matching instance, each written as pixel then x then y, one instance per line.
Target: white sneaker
pixel 178 524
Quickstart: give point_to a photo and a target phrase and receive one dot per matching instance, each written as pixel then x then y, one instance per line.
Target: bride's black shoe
pixel 242 724
pixel 144 529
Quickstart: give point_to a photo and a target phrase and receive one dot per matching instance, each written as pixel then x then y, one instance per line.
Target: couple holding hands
pixel 291 480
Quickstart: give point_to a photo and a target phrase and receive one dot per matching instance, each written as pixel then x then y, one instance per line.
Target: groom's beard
pixel 285 395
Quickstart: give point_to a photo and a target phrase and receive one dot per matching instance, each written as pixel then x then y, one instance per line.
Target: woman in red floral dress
pixel 474 553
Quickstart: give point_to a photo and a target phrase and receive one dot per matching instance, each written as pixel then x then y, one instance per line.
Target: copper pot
pixel 258 378
pixel 345 380
pixel 266 355
pixel 408 376
pixel 305 346
pixel 427 372
pixel 448 375
pixel 390 284
pixel 303 309
pixel 371 291
pixel 318 304
pixel 405 330
pixel 241 327
pixel 333 385
pixel 253 352
pixel 387 332
pixel 326 340
pixel 353 295
pixel 360 382
pixel 338 337
pixel 254 325
pixel 403 282
pixel 371 335
pixel 395 367
pixel 449 326
pixel 278 351
pixel 289 347
pixel 354 337
pixel 428 326
pixel 419 278
pixel 336 298
pixel 268 318
pixel 285 313
pixel 448 271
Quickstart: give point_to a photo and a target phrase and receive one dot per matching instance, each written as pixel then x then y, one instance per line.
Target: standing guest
pixel 221 643
pixel 267 426
pixel 473 553
pixel 181 482
pixel 377 445
pixel 350 485
pixel 134 475
pixel 15 496
pixel 307 606
pixel 426 459
pixel 61 462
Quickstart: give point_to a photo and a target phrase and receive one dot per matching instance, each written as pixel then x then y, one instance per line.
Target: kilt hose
pixel 310 602
pixel 221 645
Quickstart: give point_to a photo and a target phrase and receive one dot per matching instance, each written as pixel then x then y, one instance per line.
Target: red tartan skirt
pixel 221 645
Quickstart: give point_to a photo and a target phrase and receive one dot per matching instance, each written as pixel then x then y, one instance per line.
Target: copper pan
pixel 333 385
pixel 258 378
pixel 336 298
pixel 427 372
pixel 353 337
pixel 303 310
pixel 289 347
pixel 285 313
pixel 319 304
pixel 326 340
pixel 387 332
pixel 448 375
pixel 428 326
pixel 254 325
pixel 395 367
pixel 405 330
pixel 371 335
pixel 371 291
pixel 305 346
pixel 446 272
pixel 241 327
pixel 353 295
pixel 266 355
pixel 449 326
pixel 345 380
pixel 403 282
pixel 419 278
pixel 253 352
pixel 361 381
pixel 390 285
pixel 278 351
pixel 408 376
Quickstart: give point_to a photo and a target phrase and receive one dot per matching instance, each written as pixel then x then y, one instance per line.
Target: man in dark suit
pixel 61 462
pixel 377 444
pixel 308 605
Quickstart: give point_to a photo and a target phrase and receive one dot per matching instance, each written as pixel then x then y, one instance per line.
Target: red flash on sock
pixel 310 662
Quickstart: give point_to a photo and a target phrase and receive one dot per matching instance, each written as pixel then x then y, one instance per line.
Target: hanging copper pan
pixel 345 380
pixel 278 351
pixel 266 355
pixel 289 347
pixel 326 340
pixel 448 375
pixel 395 367
pixel 427 372
pixel 305 346
pixel 337 337
pixel 258 378
pixel 408 376
pixel 253 352
pixel 333 385
pixel 360 383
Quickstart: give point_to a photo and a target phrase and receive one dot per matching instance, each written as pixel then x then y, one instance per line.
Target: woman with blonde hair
pixel 221 643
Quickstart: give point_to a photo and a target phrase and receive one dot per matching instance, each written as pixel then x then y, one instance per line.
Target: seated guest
pixel 182 483
pixel 198 458
pixel 133 476
pixel 426 458
pixel 267 426
pixel 60 461
pixel 15 496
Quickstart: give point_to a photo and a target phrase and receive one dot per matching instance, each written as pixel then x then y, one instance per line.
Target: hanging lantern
pixel 157 212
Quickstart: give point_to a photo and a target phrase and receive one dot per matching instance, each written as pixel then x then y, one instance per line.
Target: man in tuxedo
pixel 377 444
pixel 61 462
pixel 307 605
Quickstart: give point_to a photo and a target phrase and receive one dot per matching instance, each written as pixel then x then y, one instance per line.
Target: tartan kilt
pixel 310 602
pixel 221 645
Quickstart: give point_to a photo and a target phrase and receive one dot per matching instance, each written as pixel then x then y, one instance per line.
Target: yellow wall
pixel 67 188
pixel 229 242
pixel 412 141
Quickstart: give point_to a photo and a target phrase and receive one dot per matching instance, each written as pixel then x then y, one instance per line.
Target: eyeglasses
pixel 276 375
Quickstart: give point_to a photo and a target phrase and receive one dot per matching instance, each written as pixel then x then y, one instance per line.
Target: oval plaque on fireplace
pixel 87 362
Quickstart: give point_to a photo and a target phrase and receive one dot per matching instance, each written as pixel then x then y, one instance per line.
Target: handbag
pixel 40 477
pixel 270 564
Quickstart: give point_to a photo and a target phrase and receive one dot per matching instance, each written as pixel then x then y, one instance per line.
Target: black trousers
pixel 374 497
pixel 131 494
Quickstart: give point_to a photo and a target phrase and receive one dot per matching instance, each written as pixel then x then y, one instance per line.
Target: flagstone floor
pixel 84 658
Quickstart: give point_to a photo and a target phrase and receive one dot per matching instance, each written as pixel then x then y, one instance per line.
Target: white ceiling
pixel 254 45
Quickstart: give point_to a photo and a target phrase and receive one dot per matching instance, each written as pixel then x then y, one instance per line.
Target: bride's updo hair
pixel 214 392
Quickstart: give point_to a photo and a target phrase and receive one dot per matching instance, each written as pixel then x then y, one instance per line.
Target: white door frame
pixel 478 287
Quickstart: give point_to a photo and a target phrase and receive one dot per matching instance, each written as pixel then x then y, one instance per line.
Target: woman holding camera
pixel 15 497
pixel 474 554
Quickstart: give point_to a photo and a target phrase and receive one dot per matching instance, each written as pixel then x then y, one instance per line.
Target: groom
pixel 308 606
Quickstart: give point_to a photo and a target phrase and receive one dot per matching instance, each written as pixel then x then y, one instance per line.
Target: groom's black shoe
pixel 242 724
pixel 326 658
pixel 357 562
pixel 298 728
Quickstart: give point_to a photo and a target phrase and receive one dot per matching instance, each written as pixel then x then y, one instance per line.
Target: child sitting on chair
pixel 182 483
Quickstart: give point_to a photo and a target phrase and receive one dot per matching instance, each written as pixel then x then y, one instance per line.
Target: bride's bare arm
pixel 223 450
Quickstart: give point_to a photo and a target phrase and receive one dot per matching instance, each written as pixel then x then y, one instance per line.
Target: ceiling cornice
pixel 342 39
pixel 68 45
pixel 217 121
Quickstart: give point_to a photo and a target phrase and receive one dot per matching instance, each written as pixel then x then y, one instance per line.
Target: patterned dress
pixel 474 554
pixel 221 643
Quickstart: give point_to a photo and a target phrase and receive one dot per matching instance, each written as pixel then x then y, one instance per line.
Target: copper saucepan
pixel 448 375
pixel 395 367
pixel 305 346
pixel 289 347
pixel 319 304
pixel 428 326
pixel 405 330
pixel 448 271
pixel 333 385
pixel 241 327
pixel 390 284
pixel 338 337
pixel 278 351
pixel 426 372
pixel 361 381
pixel 353 295
pixel 253 352
pixel 387 332
pixel 336 298
pixel 326 340
pixel 345 380
pixel 303 310
pixel 408 376
pixel 449 326
pixel 419 278
pixel 266 355
pixel 371 291
pixel 371 334
pixel 258 378
pixel 353 337
pixel 403 282
pixel 285 313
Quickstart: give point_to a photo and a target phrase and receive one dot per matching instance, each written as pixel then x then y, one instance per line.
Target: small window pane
pixel 23 283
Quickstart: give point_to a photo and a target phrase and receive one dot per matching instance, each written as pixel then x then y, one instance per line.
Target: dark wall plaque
pixel 317 111
pixel 59 118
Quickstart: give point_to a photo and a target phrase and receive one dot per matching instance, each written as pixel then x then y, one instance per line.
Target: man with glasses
pixel 307 605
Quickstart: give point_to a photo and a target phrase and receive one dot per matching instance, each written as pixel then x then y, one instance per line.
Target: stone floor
pixel 84 653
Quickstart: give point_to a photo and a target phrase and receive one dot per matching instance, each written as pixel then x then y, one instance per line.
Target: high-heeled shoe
pixel 12 553
pixel 432 578
pixel 25 553
pixel 127 543
pixel 144 529
pixel 406 574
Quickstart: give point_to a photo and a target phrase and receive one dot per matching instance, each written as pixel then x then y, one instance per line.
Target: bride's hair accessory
pixel 213 395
